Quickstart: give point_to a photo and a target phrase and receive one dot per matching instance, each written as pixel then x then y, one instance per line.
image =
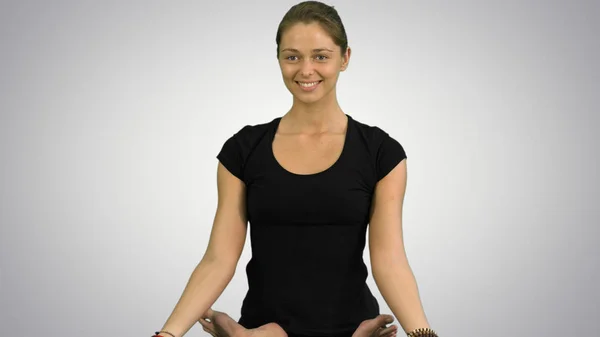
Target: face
pixel 310 62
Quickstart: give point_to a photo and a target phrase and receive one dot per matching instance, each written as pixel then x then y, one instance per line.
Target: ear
pixel 346 59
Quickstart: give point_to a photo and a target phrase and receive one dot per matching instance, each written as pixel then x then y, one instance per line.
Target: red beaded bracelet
pixel 157 334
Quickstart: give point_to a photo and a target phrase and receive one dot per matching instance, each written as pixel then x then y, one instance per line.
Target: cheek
pixel 285 70
pixel 288 73
pixel 330 74
pixel 327 71
pixel 330 69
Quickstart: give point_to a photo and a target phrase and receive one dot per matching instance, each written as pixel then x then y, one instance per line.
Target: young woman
pixel 310 183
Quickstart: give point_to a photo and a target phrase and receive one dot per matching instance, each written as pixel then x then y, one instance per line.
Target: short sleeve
pixel 231 156
pixel 389 154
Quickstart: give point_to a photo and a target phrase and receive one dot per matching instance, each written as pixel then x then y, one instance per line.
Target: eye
pixel 322 57
pixel 289 58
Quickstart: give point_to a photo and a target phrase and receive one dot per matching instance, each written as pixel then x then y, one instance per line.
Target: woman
pixel 308 183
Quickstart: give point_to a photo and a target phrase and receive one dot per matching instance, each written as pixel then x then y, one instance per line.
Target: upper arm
pixel 386 243
pixel 228 233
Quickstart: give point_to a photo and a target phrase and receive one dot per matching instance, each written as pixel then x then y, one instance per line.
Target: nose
pixel 307 68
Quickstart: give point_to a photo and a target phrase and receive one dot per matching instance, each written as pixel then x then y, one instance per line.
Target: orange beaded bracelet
pixel 422 332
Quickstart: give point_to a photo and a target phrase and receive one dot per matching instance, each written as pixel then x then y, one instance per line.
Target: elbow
pixel 221 260
pixel 224 267
pixel 385 264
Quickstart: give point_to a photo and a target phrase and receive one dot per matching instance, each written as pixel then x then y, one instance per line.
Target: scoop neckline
pixel 328 169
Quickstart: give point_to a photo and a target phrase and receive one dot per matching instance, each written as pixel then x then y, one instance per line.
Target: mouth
pixel 308 86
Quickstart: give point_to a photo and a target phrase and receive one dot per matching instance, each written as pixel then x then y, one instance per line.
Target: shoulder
pixel 246 137
pixel 237 147
pixel 373 136
pixel 385 151
pixel 252 132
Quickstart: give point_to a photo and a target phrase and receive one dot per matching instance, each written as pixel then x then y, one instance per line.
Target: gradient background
pixel 112 114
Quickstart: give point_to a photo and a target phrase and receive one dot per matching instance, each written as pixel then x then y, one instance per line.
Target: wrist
pixel 164 333
pixel 422 332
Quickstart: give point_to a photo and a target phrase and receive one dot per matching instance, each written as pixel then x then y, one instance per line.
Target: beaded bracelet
pixel 157 334
pixel 422 332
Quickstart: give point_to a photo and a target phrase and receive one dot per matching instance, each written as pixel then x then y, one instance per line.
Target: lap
pixel 275 329
pixel 296 335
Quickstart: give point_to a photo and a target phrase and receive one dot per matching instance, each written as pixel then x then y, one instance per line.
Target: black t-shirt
pixel 308 232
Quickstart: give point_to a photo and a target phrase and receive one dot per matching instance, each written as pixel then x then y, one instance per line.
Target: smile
pixel 308 86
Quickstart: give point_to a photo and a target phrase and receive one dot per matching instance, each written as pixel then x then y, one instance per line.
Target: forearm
pixel 204 287
pixel 397 284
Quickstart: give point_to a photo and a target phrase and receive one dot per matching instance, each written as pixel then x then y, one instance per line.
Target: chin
pixel 308 100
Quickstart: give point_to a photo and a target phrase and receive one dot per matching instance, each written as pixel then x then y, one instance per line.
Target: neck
pixel 323 115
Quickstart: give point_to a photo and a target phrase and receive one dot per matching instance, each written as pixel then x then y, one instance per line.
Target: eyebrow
pixel 318 50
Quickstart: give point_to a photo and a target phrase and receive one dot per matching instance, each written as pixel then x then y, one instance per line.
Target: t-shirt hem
pixel 319 332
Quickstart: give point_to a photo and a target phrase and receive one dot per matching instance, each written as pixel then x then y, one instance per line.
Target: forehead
pixel 306 36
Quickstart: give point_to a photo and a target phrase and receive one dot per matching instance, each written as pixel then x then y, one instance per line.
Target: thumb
pixel 207 326
pixel 382 320
pixel 208 314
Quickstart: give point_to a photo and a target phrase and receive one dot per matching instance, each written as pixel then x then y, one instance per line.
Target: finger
pixel 207 325
pixel 389 334
pixel 383 320
pixel 208 314
pixel 208 331
pixel 212 333
pixel 388 331
pixel 388 319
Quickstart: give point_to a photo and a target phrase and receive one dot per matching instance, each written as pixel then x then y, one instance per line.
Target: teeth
pixel 307 85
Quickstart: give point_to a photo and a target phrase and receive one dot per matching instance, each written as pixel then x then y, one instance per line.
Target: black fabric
pixel 308 232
